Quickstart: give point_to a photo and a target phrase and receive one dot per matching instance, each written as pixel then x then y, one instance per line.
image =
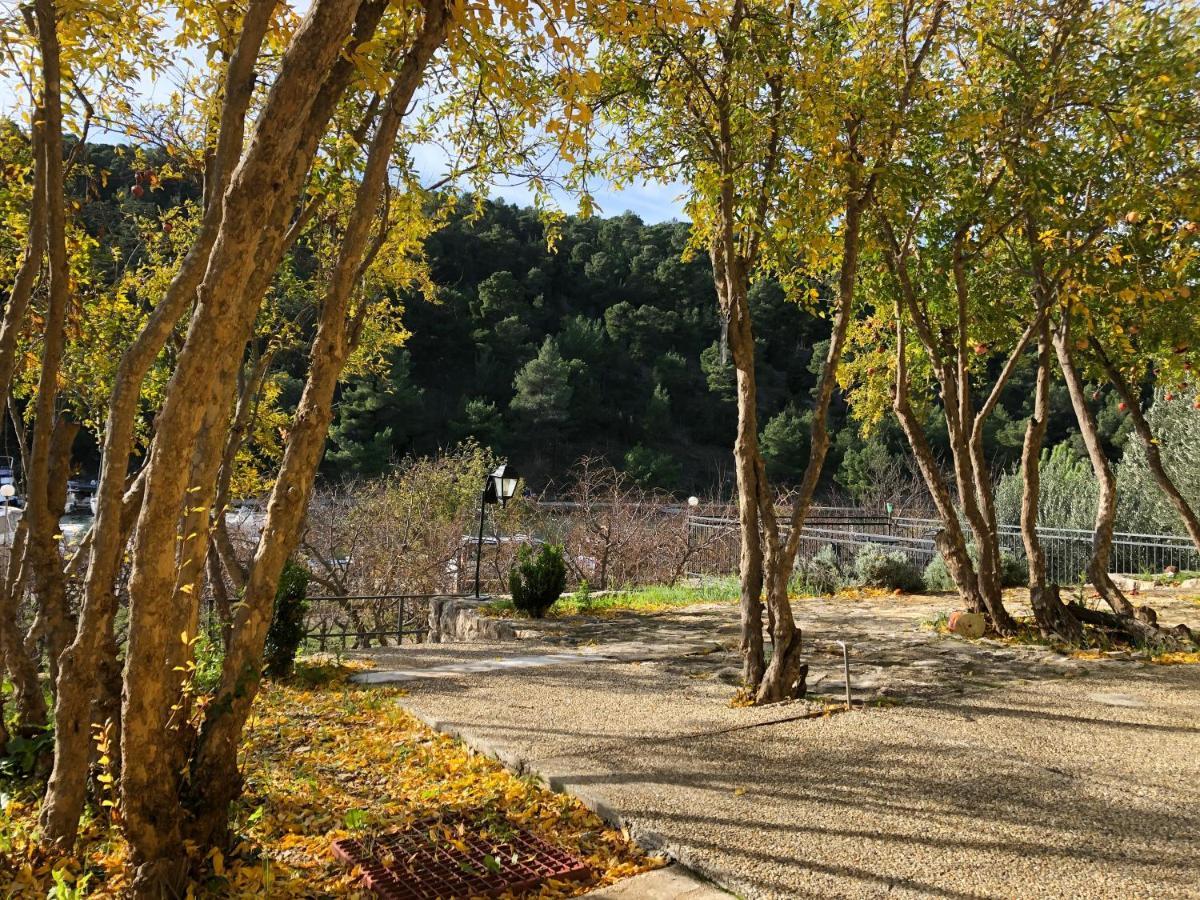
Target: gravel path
pixel 1031 775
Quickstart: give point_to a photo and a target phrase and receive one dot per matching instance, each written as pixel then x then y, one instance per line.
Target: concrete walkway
pixel 623 651
pixel 991 772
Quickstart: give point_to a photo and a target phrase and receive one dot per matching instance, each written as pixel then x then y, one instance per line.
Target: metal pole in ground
pixel 479 540
pixel 846 672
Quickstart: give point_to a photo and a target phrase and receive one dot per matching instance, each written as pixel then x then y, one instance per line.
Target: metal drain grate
pixel 431 860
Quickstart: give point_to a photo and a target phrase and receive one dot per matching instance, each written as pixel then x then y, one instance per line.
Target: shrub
pixel 821 573
pixel 937 576
pixel 876 567
pixel 1013 571
pixel 536 582
pixel 583 596
pixel 287 624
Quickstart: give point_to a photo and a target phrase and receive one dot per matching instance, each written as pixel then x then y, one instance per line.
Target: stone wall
pixel 460 619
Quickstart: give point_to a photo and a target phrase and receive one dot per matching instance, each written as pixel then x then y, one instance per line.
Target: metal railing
pixel 1067 549
pixel 357 621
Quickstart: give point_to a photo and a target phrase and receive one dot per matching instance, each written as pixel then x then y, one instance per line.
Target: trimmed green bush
pixel 876 567
pixel 536 582
pixel 937 576
pixel 287 623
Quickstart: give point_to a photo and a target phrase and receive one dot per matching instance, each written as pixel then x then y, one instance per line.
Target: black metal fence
pixel 361 621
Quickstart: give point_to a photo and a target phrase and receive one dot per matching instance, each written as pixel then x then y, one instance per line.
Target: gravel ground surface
pixel 998 772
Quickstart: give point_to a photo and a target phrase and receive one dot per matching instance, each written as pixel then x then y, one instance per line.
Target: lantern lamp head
pixel 502 485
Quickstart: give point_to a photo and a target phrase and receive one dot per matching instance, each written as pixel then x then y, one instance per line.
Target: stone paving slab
pixel 671 883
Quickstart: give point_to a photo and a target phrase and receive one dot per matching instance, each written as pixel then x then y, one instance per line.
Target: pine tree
pixel 544 387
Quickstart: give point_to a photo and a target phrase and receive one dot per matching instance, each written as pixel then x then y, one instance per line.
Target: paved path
pixel 999 771
pixel 476 664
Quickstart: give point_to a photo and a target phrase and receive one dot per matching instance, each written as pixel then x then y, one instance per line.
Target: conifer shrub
pixel 287 623
pixel 537 580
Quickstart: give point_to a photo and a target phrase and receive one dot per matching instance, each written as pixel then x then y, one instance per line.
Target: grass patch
pixel 324 758
pixel 654 598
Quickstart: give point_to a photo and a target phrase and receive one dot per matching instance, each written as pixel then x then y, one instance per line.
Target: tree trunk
pixel 41 552
pixel 979 584
pixel 970 469
pixel 1053 617
pixel 1140 623
pixel 262 193
pixel 950 541
pixel 1133 405
pixel 215 762
pixel 22 668
pixel 785 676
pixel 87 663
pixel 731 293
pixel 31 263
pixel 1106 506
pixel 47 578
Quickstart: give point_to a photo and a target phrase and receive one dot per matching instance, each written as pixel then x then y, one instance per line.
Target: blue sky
pixel 651 202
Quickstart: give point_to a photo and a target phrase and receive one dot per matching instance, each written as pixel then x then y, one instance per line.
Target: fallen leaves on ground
pixel 1181 658
pixel 326 759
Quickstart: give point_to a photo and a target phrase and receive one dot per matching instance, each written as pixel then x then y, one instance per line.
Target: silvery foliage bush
pixel 820 573
pixel 875 567
pixel 1141 505
pixel 1014 571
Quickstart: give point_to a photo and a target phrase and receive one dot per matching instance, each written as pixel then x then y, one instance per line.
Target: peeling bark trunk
pixel 215 763
pixel 1106 505
pixel 22 668
pixel 249 388
pixel 950 541
pixel 1141 622
pixel 1133 405
pixel 978 584
pixel 87 664
pixel 47 578
pixel 31 263
pixel 1053 617
pixel 41 550
pixel 28 700
pixel 260 197
pixel 731 295
pixel 785 676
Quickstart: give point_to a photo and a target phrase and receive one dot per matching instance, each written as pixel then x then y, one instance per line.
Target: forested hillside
pixel 608 343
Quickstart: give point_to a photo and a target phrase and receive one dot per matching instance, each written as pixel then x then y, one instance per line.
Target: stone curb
pixel 643 836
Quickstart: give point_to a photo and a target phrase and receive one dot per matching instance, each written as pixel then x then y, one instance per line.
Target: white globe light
pixel 7 490
pixel 693 501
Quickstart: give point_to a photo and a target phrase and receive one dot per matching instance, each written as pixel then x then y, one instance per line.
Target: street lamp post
pixel 499 487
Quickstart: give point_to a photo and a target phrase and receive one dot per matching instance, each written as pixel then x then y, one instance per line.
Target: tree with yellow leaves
pixel 303 118
pixel 782 119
